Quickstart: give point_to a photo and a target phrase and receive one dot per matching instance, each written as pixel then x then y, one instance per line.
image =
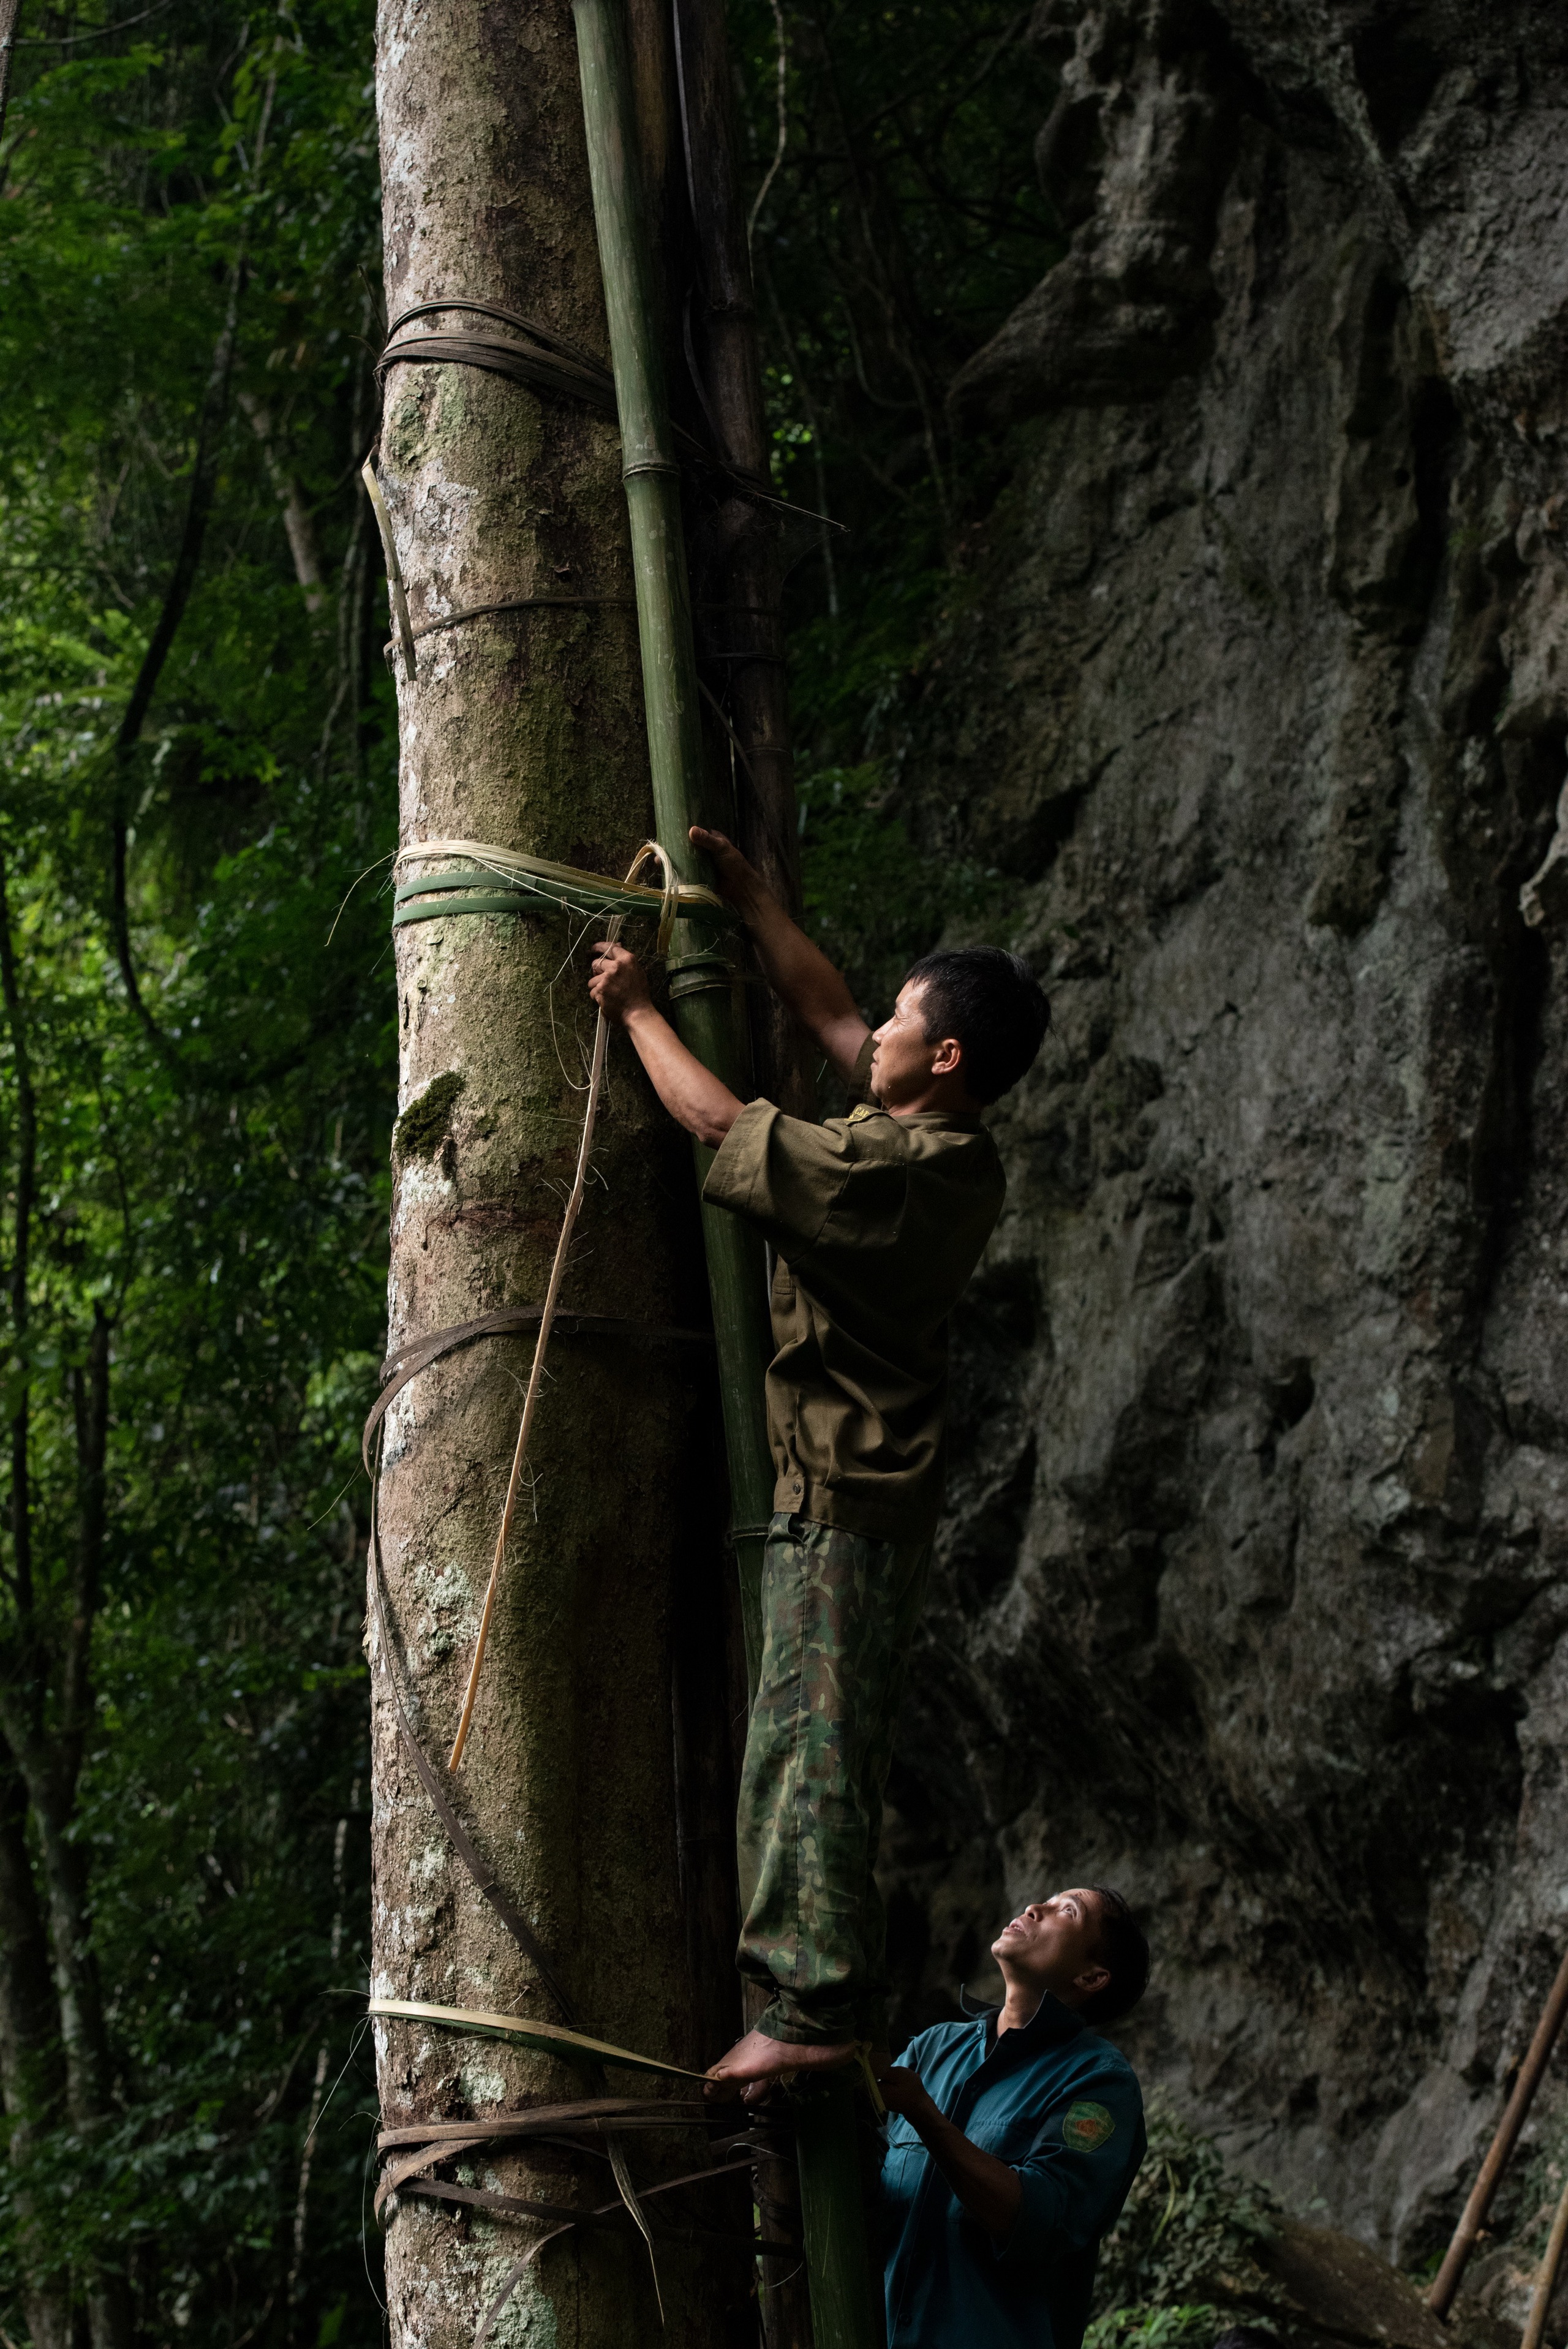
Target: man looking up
pixel 877 1220
pixel 1014 2140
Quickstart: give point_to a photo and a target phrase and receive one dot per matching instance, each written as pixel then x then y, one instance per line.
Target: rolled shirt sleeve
pixel 782 1175
pixel 1075 2176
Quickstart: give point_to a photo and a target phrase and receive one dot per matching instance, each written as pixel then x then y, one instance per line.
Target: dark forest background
pixel 197 1064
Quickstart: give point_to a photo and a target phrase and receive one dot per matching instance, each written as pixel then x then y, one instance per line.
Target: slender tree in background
pixel 47 1696
pixel 34 2022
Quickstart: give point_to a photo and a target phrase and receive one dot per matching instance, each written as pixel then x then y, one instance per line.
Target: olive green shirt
pixel 878 1222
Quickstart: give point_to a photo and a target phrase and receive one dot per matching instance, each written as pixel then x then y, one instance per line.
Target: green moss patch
pixel 423 1126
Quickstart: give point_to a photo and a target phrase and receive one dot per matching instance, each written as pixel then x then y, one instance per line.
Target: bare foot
pixel 758 2060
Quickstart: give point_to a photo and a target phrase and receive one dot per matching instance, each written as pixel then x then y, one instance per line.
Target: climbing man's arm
pixel 989 2189
pixel 692 1094
pixel 797 972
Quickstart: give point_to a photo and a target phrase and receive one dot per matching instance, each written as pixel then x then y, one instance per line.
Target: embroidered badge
pixel 1086 2128
pixel 865 1109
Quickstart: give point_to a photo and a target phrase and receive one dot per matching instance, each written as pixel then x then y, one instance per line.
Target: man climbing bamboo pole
pixel 877 1220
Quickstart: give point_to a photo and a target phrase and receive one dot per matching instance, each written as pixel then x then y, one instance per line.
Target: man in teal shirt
pixel 1012 2140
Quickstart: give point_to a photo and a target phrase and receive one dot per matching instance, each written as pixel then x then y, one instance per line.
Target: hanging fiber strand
pixel 670 900
pixel 536 1373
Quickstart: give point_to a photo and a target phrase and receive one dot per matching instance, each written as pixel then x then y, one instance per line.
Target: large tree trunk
pixel 525 729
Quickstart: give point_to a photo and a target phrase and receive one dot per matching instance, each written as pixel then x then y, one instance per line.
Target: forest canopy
pixel 197 1064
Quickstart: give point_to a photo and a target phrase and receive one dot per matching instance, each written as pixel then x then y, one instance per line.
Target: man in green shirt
pixel 877 1220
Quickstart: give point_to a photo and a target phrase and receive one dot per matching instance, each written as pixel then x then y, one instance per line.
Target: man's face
pixel 1054 1942
pixel 903 1062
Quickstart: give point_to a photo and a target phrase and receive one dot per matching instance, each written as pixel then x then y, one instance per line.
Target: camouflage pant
pixel 839 1613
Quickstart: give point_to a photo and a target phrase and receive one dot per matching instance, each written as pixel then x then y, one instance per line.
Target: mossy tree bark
pixel 526 730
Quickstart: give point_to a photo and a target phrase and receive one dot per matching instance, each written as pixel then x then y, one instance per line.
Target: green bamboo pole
pixel 843 2312
pixel 846 2305
pixel 702 980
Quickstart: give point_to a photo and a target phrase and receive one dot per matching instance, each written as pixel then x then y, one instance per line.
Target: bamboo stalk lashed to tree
pixel 459 497
pixel 844 2295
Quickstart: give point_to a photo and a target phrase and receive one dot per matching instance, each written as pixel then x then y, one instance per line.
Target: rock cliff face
pixel 1253 1593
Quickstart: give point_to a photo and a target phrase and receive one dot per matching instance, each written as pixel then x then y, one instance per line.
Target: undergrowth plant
pixel 1188 2233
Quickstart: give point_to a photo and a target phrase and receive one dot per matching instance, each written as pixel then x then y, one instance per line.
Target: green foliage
pixel 1189 2224
pixel 211 1187
pixel 903 223
pixel 873 898
pixel 235 1238
pixel 1526 2202
pixel 1153 2328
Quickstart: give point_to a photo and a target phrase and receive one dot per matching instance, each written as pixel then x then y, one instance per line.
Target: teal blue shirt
pixel 1060 2105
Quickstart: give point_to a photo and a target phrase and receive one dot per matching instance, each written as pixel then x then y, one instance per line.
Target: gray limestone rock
pixel 1253 1592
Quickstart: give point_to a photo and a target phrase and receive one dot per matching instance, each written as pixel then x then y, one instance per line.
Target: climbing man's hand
pixel 738 880
pixel 616 982
pixel 902 2091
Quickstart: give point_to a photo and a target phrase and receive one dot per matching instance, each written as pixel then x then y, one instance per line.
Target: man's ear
pixel 1093 1978
pixel 947 1058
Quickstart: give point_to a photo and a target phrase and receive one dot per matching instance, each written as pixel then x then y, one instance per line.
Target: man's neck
pixel 937 1101
pixel 1022 2002
pixel 1021 2005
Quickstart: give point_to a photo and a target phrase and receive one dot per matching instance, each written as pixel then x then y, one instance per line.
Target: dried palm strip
pixel 591 2115
pixel 598 2218
pixel 628 2194
pixel 396 594
pixel 548 2038
pixel 536 1372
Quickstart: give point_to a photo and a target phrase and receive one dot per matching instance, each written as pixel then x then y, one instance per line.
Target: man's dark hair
pixel 1122 1950
pixel 993 1005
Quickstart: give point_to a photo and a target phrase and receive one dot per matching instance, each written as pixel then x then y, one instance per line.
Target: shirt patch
pixel 865 1109
pixel 1086 2128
